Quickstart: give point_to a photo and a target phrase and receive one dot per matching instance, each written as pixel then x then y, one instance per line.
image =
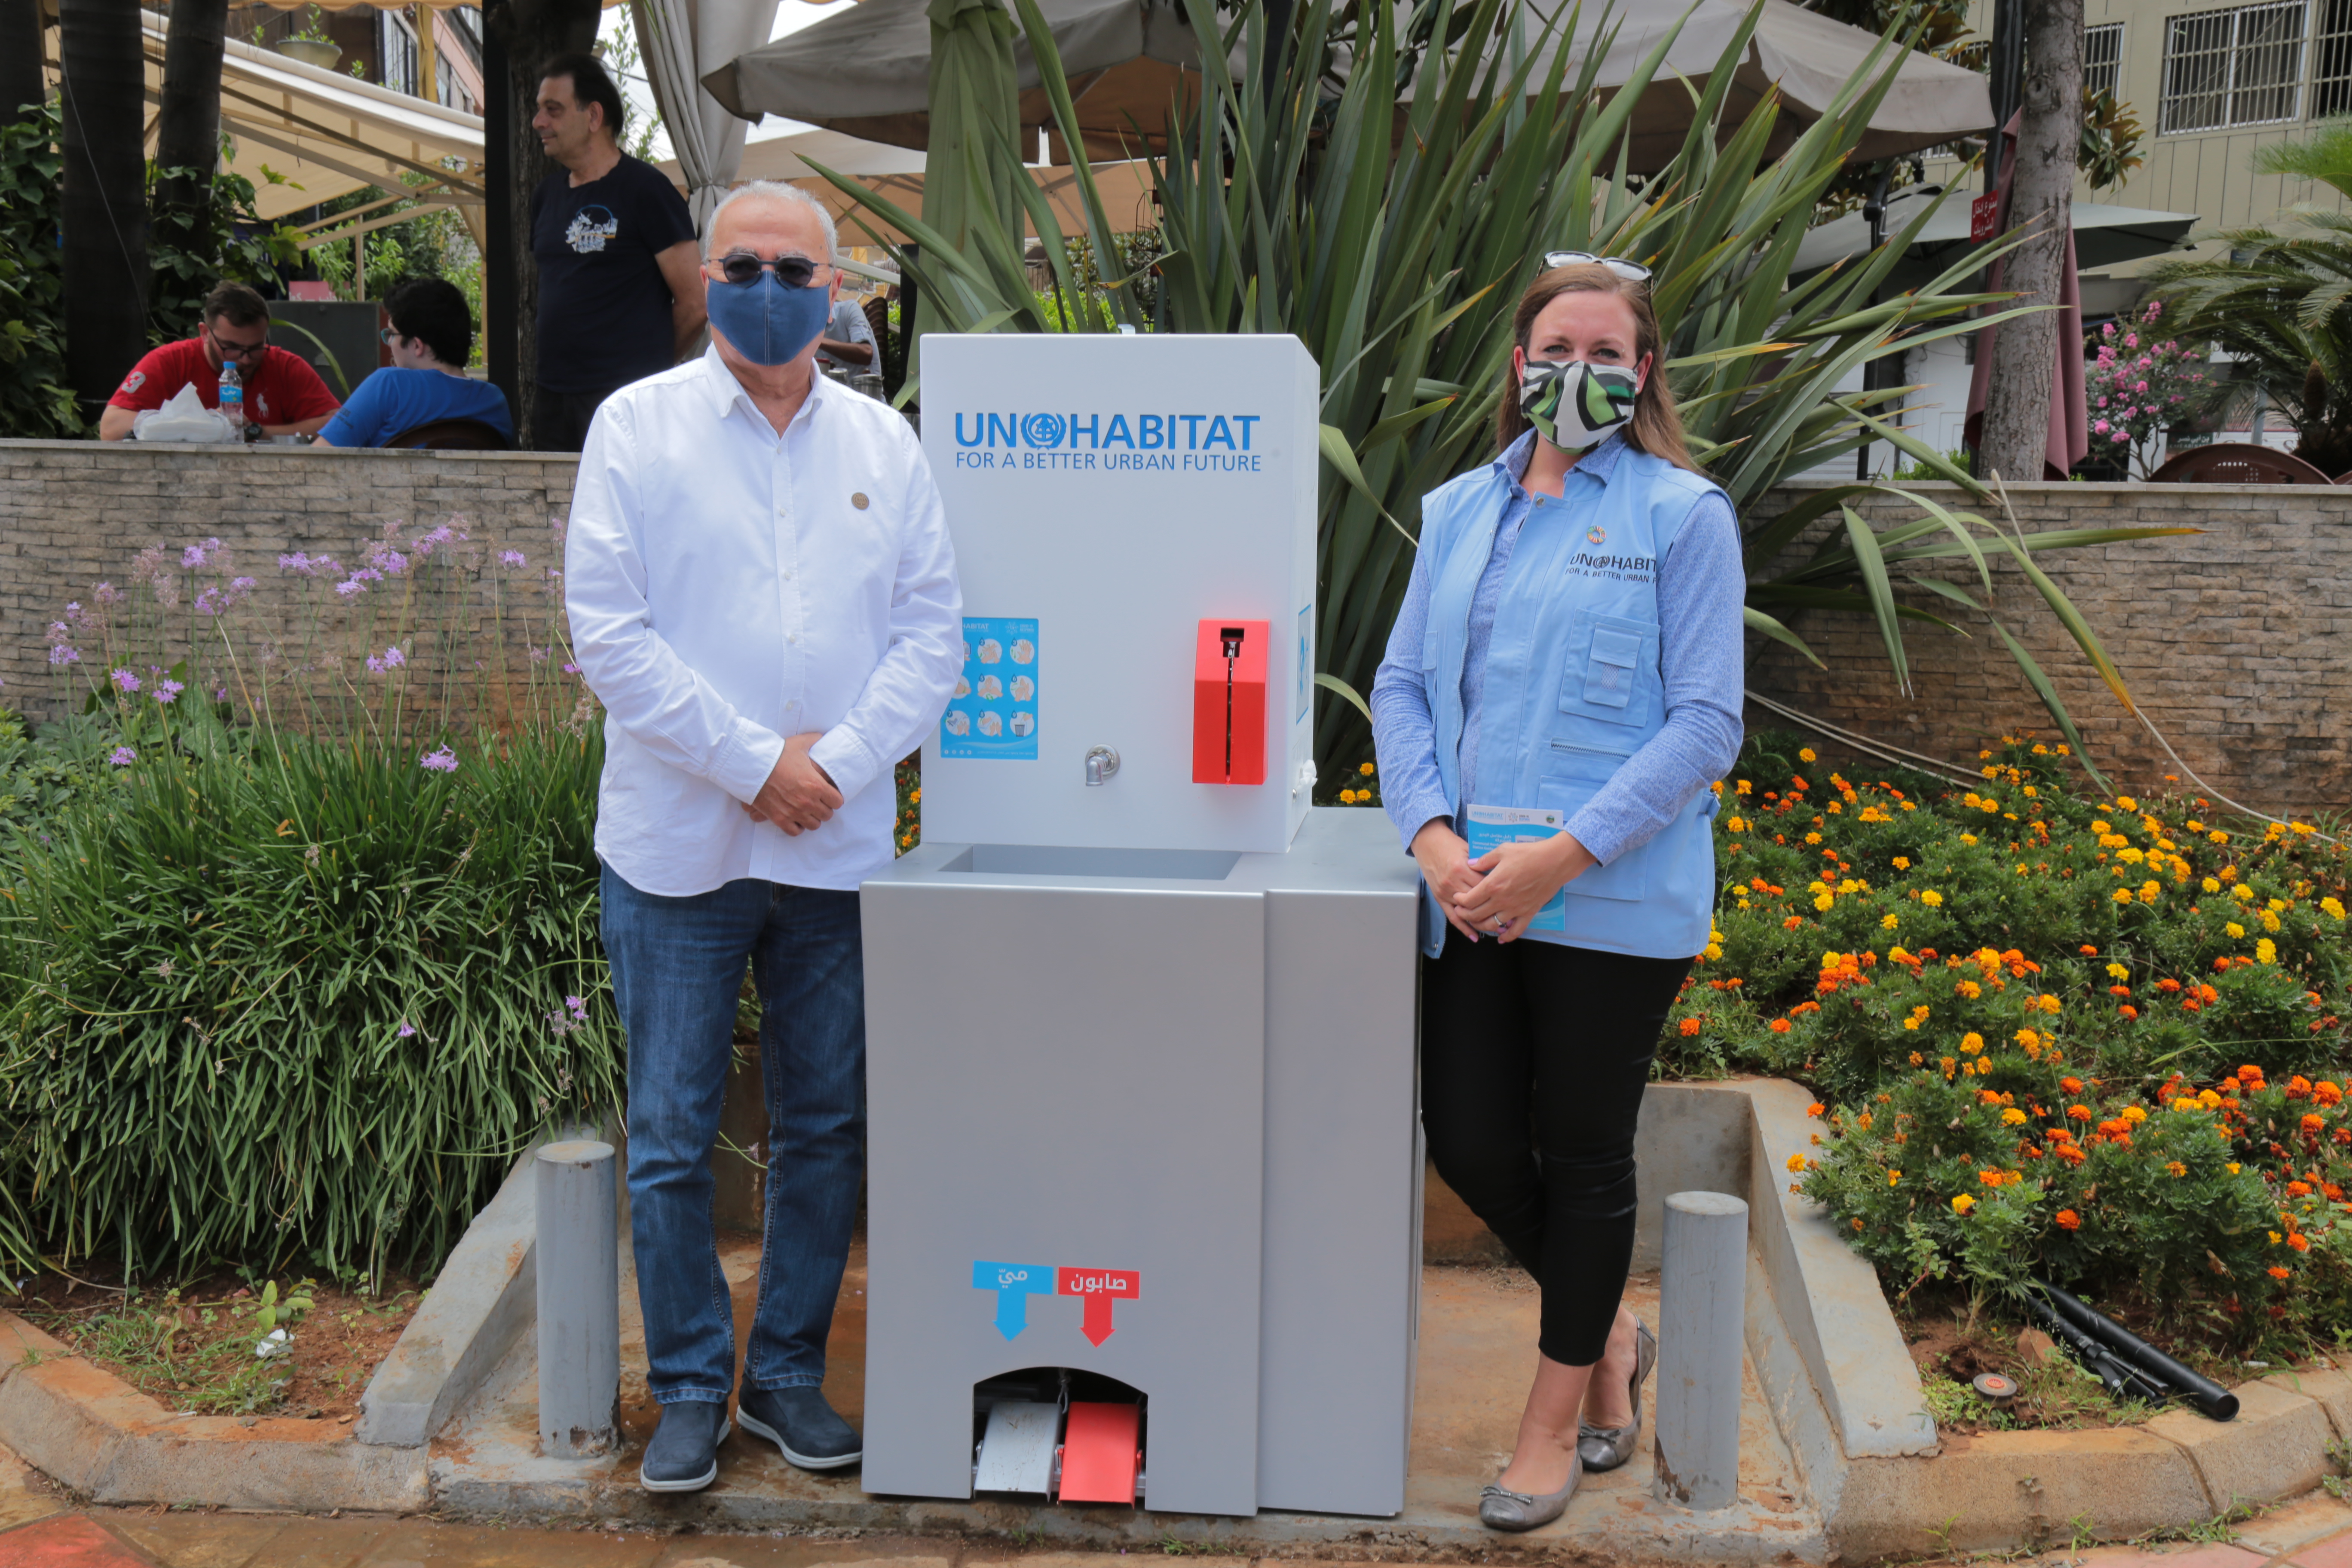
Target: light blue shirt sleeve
pixel 1702 585
pixel 1404 729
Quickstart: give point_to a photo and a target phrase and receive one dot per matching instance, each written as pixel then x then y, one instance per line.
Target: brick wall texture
pixel 74 515
pixel 2236 641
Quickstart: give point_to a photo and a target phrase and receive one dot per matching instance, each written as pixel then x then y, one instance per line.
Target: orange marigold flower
pixel 2071 1085
pixel 2278 1273
pixel 1691 1025
pixel 2127 1011
pixel 2069 1220
pixel 1815 1108
pixel 2079 1112
pixel 2071 1154
pixel 1780 1026
pixel 2299 1241
pixel 2313 1122
pixel 2298 1189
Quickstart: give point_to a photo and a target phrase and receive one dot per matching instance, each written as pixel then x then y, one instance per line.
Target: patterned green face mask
pixel 1573 405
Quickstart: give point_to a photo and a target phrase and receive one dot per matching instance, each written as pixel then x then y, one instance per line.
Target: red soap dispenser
pixel 1229 660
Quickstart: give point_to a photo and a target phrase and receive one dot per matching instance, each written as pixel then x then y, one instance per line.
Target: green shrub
pixel 271 998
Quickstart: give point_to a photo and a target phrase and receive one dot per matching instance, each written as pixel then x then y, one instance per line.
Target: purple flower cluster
pixel 219 601
pixel 122 757
pixel 125 682
pixel 512 557
pixel 303 565
pixel 165 690
pixel 391 659
pixel 443 761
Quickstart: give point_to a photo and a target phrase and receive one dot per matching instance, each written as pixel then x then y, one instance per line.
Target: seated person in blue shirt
pixel 430 337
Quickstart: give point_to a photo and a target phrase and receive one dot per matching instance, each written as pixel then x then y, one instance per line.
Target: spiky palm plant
pixel 2281 303
pixel 1393 237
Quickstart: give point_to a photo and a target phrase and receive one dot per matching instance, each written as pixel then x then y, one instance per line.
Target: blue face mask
pixel 767 322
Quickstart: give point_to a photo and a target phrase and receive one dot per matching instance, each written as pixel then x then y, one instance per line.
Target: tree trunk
pixel 20 57
pixel 105 218
pixel 2042 197
pixel 529 33
pixel 187 125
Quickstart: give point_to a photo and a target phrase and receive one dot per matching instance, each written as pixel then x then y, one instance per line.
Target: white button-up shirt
pixel 728 587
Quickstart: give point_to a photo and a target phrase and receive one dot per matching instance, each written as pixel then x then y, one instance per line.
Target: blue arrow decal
pixel 1014 1283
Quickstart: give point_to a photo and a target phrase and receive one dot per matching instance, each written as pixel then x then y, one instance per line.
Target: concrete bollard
pixel 1702 1299
pixel 579 1263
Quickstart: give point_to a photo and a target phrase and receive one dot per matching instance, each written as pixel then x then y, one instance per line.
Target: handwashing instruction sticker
pixel 993 712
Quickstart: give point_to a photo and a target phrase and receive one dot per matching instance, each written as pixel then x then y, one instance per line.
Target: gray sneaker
pixel 683 1455
pixel 799 1421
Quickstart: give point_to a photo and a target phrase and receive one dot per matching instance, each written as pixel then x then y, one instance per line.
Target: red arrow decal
pixel 1098 1288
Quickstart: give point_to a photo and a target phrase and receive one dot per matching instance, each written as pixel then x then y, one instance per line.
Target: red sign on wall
pixel 1984 218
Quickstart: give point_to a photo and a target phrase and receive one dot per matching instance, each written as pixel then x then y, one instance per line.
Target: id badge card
pixel 1493 826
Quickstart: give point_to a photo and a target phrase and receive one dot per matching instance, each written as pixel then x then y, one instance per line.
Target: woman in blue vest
pixel 1563 683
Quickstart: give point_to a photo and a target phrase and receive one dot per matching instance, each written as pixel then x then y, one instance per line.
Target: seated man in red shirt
pixel 282 394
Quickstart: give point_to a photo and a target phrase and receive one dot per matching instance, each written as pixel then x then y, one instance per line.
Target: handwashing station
pixel 1145 1172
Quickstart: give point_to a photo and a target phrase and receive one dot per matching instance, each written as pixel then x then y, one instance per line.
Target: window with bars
pixel 2103 54
pixel 2240 67
pixel 2331 58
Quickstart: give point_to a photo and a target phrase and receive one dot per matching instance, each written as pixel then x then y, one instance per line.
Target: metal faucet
pixel 1102 764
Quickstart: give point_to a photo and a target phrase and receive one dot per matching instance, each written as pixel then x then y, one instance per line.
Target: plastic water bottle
pixel 232 398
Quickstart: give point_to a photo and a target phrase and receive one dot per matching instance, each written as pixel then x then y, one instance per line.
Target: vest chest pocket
pixel 1609 670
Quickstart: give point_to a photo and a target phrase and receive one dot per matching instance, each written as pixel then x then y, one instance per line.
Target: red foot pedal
pixel 1098 1453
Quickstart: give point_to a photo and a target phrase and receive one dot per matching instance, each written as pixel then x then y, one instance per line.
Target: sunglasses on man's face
pixel 791 271
pixel 1631 271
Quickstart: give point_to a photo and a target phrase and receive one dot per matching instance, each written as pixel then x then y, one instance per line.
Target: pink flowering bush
pixel 2139 386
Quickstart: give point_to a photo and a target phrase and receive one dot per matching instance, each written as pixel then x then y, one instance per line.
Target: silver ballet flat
pixel 1606 1447
pixel 1500 1509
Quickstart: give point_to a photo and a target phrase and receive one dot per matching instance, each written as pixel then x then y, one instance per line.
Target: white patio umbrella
pixel 867 72
pixel 1808 58
pixel 682 40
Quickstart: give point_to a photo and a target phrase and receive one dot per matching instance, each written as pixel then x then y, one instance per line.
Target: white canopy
pixel 2104 236
pixel 1808 58
pixel 682 41
pixel 324 133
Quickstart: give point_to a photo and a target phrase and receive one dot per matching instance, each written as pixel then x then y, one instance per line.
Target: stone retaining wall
pixel 2237 641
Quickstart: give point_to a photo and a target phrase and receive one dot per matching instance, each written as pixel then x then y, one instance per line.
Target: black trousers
pixel 1534 1057
pixel 559 420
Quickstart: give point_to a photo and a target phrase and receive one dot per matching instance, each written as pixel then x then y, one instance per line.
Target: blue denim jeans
pixel 677 967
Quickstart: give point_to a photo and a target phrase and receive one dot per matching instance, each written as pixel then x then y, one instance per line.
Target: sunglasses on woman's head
pixel 791 271
pixel 1631 271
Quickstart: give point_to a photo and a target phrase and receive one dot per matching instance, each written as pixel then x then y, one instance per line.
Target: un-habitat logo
pixel 1121 442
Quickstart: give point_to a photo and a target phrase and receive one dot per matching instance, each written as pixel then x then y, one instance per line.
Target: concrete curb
pixel 481 1303
pixel 106 1441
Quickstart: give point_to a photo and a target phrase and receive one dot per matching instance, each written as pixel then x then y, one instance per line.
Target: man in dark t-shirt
pixel 620 287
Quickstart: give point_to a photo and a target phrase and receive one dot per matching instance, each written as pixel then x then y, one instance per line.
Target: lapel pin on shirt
pixel 857 499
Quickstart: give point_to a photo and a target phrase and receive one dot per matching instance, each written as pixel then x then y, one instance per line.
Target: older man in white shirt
pixel 763 595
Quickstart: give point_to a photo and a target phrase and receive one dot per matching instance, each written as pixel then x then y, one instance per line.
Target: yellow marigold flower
pixel 1971 1043
pixel 1893 1177
pixel 2148 891
pixel 2218 837
pixel 1902 862
pixel 1366 770
pixel 1737 824
pixel 1963 1204
pixel 2186 1104
pixel 2233 1167
pixel 2211 884
pixel 2027 1038
pixel 1889 922
pixel 2134 1114
pixel 1910 805
pixel 1812 838
pixel 1967 838
pixel 2176 1167
pixel 1824 903
pixel 2265 952
pixel 2270 921
pixel 2243 892
pixel 2123 895
pixel 1917 1060
pixel 2209 1099
pixel 1805 754
pixel 1713 952
pixel 2047 1002
pixel 2012 1117
pixel 2235 930
pixel 1932 899
pixel 1797 1163
pixel 1744 788
pixel 2126 803
pixel 2277 1238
